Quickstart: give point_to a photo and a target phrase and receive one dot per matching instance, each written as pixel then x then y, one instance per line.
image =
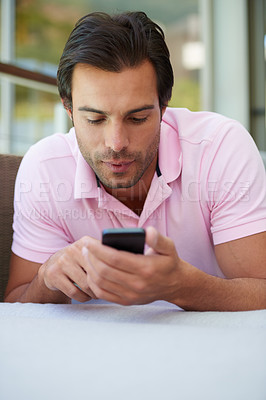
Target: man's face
pixel 117 122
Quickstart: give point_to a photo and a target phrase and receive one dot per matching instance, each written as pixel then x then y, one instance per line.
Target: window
pixel 33 33
pixel 257 62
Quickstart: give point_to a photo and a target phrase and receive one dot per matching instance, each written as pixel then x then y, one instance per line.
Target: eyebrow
pixel 135 110
pixel 89 109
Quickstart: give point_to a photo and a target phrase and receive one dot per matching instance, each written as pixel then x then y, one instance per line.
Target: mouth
pixel 118 166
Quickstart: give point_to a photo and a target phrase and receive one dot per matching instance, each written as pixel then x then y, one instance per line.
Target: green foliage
pixel 42 28
pixel 186 93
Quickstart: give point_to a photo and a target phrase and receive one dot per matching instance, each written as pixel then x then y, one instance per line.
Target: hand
pixel 126 278
pixel 66 271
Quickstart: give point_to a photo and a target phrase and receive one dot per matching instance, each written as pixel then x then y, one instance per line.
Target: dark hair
pixel 112 43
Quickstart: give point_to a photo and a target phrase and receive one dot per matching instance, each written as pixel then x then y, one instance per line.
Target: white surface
pixel 105 351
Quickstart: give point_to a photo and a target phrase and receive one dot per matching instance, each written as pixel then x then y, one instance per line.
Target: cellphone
pixel 127 239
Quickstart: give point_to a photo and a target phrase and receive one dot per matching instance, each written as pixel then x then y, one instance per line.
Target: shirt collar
pixel 85 180
pixel 170 153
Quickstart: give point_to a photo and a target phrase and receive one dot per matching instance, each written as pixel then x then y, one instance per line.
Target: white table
pixel 106 351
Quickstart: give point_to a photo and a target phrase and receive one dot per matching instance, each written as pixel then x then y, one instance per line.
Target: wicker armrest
pixel 8 170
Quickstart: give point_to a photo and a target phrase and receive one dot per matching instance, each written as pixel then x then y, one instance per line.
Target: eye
pixel 138 120
pixel 95 121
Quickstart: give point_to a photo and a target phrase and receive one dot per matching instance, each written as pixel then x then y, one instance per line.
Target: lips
pixel 118 166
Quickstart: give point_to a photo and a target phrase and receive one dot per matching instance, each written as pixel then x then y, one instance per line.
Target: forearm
pixel 204 292
pixel 36 292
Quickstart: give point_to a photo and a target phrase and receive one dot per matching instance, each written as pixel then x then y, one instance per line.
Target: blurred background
pixel 218 52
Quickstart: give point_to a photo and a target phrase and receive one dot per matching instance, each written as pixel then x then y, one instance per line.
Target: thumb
pixel 158 243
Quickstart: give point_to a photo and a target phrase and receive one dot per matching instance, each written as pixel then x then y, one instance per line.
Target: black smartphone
pixel 127 239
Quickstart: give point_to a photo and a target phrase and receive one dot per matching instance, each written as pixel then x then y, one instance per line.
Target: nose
pixel 116 137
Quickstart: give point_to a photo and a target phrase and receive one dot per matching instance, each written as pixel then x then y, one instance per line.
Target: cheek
pixel 151 135
pixel 86 135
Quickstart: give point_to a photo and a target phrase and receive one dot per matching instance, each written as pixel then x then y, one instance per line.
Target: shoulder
pixel 199 126
pixel 58 145
pixel 52 151
pixel 205 135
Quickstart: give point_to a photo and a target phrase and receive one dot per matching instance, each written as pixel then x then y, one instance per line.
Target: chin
pixel 118 185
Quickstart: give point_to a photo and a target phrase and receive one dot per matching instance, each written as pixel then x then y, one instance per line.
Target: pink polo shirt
pixel 212 189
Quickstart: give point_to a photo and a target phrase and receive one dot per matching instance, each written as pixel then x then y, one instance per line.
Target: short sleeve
pixel 235 187
pixel 38 228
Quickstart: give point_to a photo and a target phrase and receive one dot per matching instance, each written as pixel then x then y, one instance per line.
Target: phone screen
pixel 127 239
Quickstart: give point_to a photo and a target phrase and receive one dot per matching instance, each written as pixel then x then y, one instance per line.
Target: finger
pixel 117 259
pixel 84 289
pixel 76 272
pixel 77 294
pixel 159 243
pixel 105 281
pixel 113 292
pixel 106 295
pixel 78 276
pixel 106 290
pixel 72 291
pixel 149 252
pixel 105 276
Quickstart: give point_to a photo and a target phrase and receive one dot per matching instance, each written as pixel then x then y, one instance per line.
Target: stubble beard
pixel 141 163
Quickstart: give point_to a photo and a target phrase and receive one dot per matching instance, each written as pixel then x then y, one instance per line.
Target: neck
pixel 135 196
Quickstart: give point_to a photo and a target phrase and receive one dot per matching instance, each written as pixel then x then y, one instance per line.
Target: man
pixel 194 181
